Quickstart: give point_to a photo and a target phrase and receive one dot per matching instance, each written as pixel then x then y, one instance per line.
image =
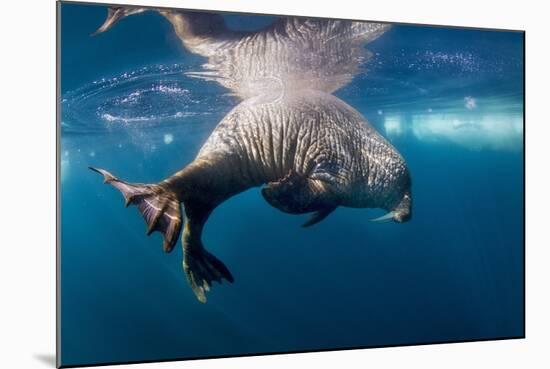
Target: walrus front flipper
pixel 158 205
pixel 297 194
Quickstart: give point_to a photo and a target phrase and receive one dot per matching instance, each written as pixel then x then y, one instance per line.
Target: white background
pixel 27 196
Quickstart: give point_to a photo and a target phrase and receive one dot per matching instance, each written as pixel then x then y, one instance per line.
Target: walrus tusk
pixel 384 218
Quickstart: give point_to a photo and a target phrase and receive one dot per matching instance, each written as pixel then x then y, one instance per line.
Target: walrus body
pixel 310 150
pixel 313 136
pixel 314 153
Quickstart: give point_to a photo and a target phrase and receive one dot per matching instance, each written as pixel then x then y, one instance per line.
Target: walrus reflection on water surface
pixel 310 150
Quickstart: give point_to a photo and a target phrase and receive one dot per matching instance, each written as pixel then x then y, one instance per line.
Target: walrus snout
pixel 403 211
pixel 402 217
pixel 400 214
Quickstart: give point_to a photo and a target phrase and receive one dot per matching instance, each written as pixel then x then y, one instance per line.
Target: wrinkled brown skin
pixel 312 151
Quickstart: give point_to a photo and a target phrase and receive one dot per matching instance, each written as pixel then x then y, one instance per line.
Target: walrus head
pixel 401 213
pixel 114 14
pixel 398 199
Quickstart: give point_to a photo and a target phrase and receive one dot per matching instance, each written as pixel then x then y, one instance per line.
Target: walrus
pixel 309 150
pixel 312 151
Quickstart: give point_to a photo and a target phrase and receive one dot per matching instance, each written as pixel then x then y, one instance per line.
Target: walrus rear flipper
pixel 201 269
pixel 158 205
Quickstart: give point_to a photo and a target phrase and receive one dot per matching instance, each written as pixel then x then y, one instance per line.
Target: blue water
pixel 450 100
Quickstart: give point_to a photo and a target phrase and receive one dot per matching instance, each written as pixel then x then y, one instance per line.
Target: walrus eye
pixel 384 218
